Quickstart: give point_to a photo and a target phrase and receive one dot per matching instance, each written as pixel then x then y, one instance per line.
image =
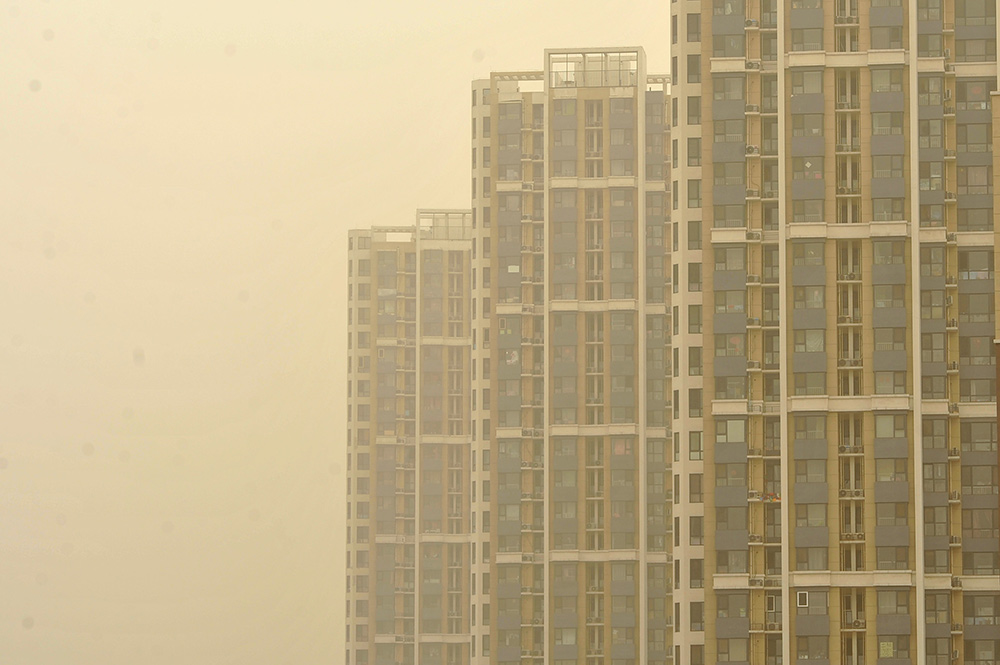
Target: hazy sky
pixel 176 182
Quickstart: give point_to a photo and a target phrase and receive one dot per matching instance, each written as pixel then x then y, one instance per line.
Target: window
pixel 731 561
pixel 975 264
pixel 694 277
pixel 890 470
pixel 728 216
pixel 694 27
pixel 887 80
pixel 806 211
pixel 933 215
pixel 812 647
pixel 807 254
pixel 975 179
pixel 888 295
pixel 887 123
pixel 811 558
pixel 695 449
pixel 808 297
pixel 930 175
pixel 695 492
pixel 732 605
pixel 807 82
pixel 696 530
pixel 693 152
pixel 975 307
pixel 730 88
pixel 810 341
pixel 729 173
pixel 694 110
pixel 807 124
pixel 694 194
pixel 977 350
pixel 694 69
pixel 730 258
pixel 728 46
pixel 887 38
pixel 976 50
pixel 975 219
pixel 894 646
pixel 810 427
pixel 890 426
pixel 887 166
pixel 810 514
pixel 932 349
pixel 730 302
pixel 694 319
pixel 731 475
pixel 932 304
pixel 731 518
pixel 810 383
pixel 972 95
pixel 891 514
pixel 930 132
pixel 730 431
pixel 929 45
pixel 807 39
pixel 932 261
pixel 810 471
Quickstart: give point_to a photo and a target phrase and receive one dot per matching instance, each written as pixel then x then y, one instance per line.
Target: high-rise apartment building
pixel 510 389
pixel 570 340
pixel 408 441
pixel 834 230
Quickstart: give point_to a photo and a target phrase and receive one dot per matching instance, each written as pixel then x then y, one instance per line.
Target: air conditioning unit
pixel 772 626
pixel 859 624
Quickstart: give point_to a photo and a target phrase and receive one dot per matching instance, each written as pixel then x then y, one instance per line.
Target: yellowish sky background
pixel 176 182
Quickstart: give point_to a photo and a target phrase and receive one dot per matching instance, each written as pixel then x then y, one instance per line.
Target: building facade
pixel 409 533
pixel 570 413
pixel 833 233
pixel 706 376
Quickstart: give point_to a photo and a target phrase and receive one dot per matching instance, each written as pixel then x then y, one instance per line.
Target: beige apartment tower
pixel 509 399
pixel 834 232
pixel 570 363
pixel 409 535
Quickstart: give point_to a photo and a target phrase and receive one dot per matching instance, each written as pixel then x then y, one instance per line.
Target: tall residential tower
pixel 833 233
pixel 409 532
pixel 570 362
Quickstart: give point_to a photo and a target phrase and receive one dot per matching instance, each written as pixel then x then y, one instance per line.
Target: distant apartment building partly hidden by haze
pixel 701 377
